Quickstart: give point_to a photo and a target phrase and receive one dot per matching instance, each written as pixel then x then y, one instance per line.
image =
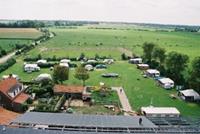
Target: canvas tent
pixel 43 77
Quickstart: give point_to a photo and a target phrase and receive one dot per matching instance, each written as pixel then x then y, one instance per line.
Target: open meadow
pixel 9 37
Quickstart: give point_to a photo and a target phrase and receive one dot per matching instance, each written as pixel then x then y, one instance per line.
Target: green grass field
pixel 11 36
pixel 83 38
pixel 140 91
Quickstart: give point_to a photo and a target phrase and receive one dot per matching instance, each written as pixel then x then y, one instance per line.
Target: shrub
pixel 7 64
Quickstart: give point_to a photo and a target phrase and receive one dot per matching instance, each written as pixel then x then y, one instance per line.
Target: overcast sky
pixel 148 11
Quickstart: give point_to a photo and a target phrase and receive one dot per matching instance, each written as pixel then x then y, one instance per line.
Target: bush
pixel 7 64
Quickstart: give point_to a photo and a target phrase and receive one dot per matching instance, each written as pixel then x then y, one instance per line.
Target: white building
pixel 160 111
pixel 166 83
pixel 189 95
pixel 136 61
pixel 31 67
pixel 152 73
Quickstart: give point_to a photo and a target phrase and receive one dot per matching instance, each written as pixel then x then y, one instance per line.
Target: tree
pixel 159 54
pixel 148 51
pixel 81 74
pixel 194 80
pixel 60 74
pixel 176 64
pixel 124 57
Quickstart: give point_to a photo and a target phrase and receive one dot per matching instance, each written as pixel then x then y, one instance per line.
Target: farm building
pixel 136 61
pixel 42 77
pixel 108 61
pixel 41 61
pixel 89 67
pixel 31 67
pixel 11 76
pixel 166 83
pixel 74 92
pixel 143 66
pixel 11 95
pixel 160 111
pixel 65 61
pixel 189 95
pixel 152 73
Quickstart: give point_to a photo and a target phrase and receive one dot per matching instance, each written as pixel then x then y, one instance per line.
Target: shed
pixel 136 61
pixel 69 91
pixel 152 73
pixel 189 95
pixel 160 111
pixel 166 83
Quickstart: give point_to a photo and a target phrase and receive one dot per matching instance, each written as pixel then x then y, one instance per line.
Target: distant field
pixel 82 37
pixel 19 33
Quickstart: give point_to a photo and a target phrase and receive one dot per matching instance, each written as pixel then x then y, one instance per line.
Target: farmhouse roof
pixel 68 89
pixel 7 84
pixel 190 92
pixel 21 98
pixel 160 110
pixel 7 116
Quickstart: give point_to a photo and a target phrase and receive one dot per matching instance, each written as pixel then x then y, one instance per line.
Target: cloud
pixel 153 11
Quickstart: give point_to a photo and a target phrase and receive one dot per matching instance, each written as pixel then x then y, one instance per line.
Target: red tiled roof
pixel 68 89
pixel 21 98
pixel 7 116
pixel 7 84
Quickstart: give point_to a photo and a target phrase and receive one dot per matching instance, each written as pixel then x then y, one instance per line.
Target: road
pixel 5 58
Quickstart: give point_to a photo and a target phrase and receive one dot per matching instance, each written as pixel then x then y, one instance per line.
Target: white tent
pixel 89 67
pixel 41 61
pixel 43 77
pixel 160 111
pixel 65 61
pixel 108 61
pixel 64 64
pixel 189 95
pixel 166 83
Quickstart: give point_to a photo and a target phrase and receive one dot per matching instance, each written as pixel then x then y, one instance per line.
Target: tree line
pixel 173 65
pixel 23 24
